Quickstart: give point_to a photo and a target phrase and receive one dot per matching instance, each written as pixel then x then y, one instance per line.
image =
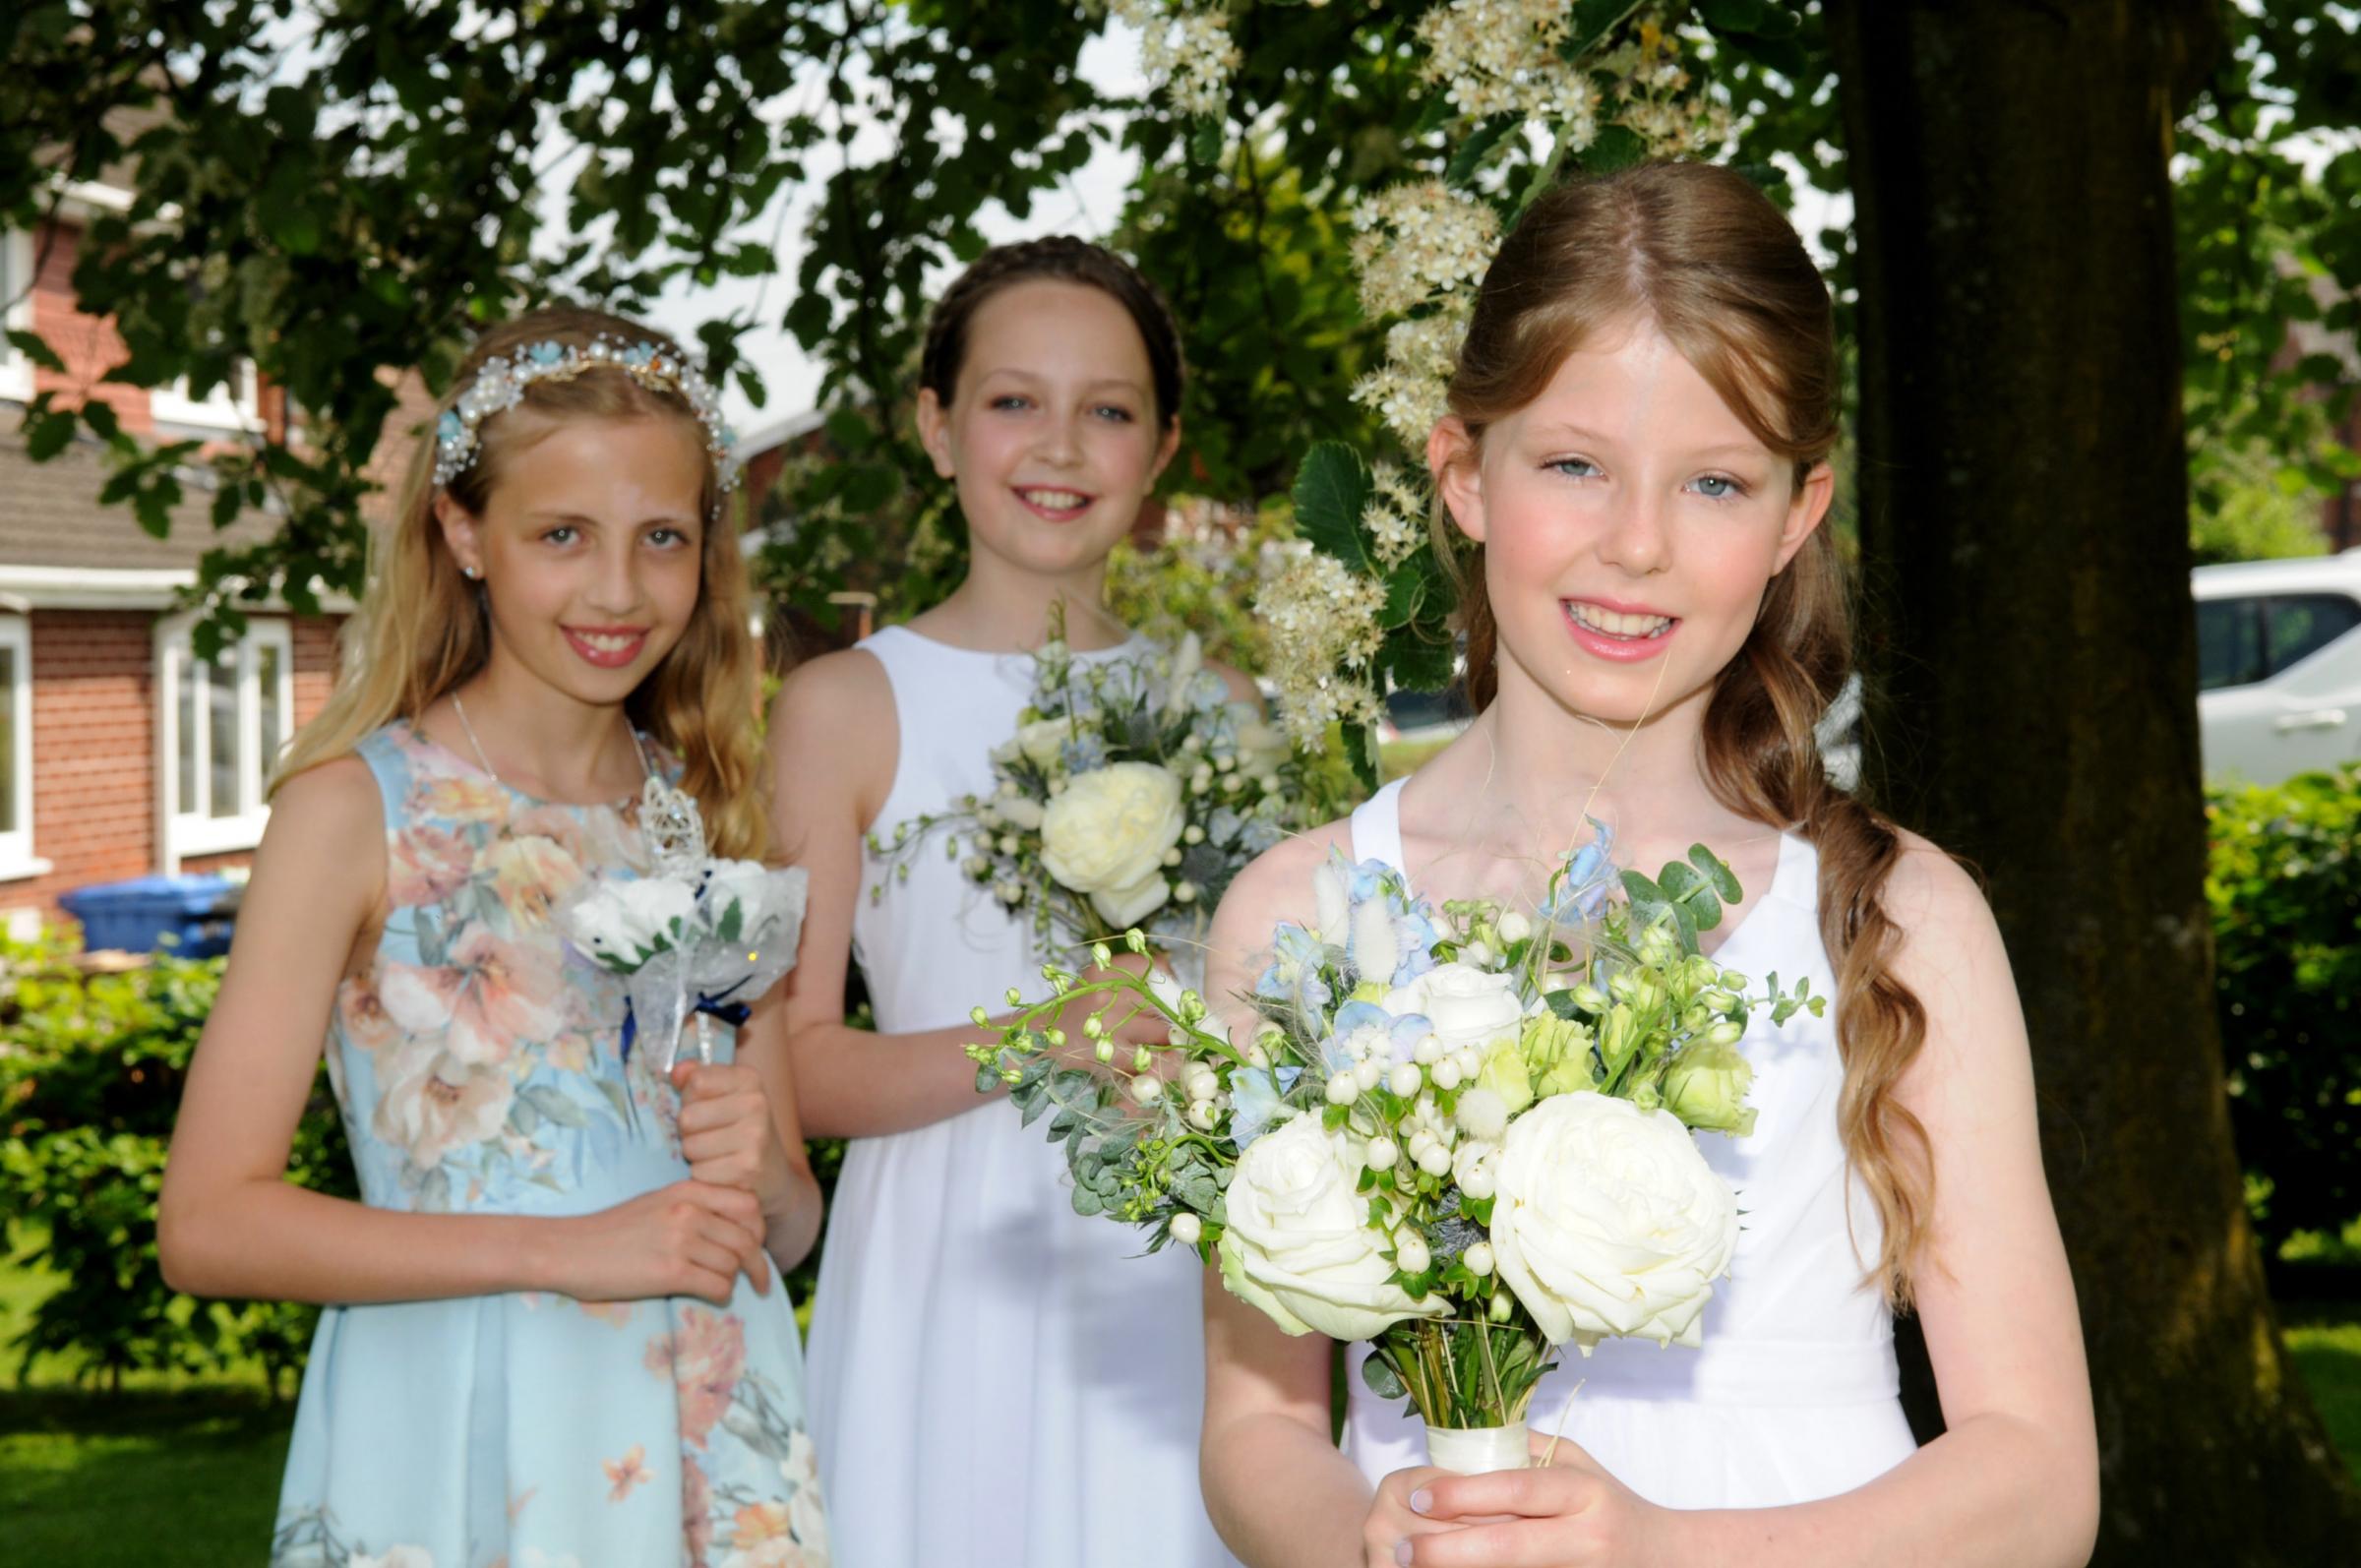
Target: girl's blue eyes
pixel 1713 487
pixel 1113 414
pixel 565 533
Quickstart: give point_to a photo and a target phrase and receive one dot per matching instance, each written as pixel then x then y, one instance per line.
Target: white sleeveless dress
pixel 996 1381
pixel 1793 1394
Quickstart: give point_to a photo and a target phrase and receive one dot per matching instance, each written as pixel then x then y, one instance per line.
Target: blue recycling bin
pixel 195 912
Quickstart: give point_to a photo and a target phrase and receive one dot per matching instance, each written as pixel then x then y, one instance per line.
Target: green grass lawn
pixel 2326 1345
pixel 171 1472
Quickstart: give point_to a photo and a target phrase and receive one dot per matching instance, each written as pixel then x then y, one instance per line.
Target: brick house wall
pixel 94 747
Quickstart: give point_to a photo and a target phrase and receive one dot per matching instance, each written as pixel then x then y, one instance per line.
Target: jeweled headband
pixel 501 382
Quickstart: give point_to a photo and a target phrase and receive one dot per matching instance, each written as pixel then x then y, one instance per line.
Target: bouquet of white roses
pixel 1130 795
pixel 1466 1136
pixel 699 941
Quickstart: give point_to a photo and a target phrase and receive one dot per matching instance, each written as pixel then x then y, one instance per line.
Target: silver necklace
pixel 668 817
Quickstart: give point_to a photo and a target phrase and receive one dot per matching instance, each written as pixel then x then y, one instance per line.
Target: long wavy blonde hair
pixel 1702 255
pixel 421 631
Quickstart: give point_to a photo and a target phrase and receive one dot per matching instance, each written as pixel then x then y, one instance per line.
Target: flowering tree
pixel 2007 284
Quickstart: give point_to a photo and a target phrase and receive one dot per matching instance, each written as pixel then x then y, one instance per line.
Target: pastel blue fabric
pixel 477 1061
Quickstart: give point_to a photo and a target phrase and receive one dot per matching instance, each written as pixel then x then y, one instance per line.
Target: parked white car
pixel 2278 662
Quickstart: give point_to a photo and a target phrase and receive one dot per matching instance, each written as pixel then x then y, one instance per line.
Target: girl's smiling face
pixel 589 549
pixel 1053 433
pixel 1631 522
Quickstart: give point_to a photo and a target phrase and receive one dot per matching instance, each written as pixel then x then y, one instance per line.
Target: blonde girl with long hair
pixel 1637 440
pixel 555 1329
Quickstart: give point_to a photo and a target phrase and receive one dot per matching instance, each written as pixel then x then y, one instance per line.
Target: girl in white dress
pixel 996 1381
pixel 1637 438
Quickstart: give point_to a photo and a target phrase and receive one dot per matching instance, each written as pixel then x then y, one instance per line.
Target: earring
pixel 470 572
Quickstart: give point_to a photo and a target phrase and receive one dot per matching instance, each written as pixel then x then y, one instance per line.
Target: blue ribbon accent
pixel 733 1013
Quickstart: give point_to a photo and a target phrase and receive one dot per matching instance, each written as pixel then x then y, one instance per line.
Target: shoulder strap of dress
pixel 1377 828
pixel 387 751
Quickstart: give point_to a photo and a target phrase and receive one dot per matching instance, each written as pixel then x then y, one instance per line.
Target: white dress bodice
pixel 1793 1394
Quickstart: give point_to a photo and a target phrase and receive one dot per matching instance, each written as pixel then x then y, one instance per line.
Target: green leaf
pixel 1362 751
pixel 1332 490
pixel 1205 139
pixel 1616 147
pixel 1717 871
pixel 46 432
pixel 1379 1375
pixel 1760 18
pixel 1480 142
pixel 1589 21
pixel 36 347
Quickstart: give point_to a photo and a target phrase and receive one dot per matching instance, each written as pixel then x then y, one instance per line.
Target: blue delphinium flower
pixel 1580 891
pixel 1294 975
pixel 1257 1095
pixel 1084 754
pixel 1363 1028
pixel 1380 906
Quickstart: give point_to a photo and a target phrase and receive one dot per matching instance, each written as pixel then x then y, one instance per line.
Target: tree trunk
pixel 2024 532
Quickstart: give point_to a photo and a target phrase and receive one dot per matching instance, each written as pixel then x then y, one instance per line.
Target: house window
pixel 16 749
pixel 232 405
pixel 224 722
pixel 16 313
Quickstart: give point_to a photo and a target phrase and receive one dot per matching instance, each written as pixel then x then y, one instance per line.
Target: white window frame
pixel 16 371
pixel 200 833
pixel 17 859
pixel 232 405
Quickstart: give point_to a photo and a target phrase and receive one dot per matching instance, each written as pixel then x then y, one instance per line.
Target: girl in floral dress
pixel 556 1333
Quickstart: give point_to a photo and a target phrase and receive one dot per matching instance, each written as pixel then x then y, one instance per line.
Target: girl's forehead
pixel 1628 382
pixel 1047 323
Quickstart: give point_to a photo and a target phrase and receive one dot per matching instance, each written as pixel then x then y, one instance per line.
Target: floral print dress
pixel 477 1060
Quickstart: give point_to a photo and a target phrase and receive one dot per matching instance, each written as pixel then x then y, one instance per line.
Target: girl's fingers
pixel 722 1111
pixel 1523 1544
pixel 1517 1494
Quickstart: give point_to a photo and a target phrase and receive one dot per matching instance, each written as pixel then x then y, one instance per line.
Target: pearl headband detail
pixel 500 385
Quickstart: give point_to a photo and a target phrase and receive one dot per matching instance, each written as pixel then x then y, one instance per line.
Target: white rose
pixel 1043 741
pixel 597 923
pixel 1468 1006
pixel 1106 836
pixel 762 896
pixel 1609 1222
pixel 1298 1245
pixel 655 910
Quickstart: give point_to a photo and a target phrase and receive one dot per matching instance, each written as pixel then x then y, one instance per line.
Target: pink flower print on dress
pixel 529 874
pixel 433 1103
pixel 764 1535
pixel 627 1472
pixel 425 865
pixel 367 1023
pixel 697 1507
pixel 704 1355
pixel 508 991
pixel 459 799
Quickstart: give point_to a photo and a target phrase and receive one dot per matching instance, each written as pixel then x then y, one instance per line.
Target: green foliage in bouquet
pixel 91 1075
